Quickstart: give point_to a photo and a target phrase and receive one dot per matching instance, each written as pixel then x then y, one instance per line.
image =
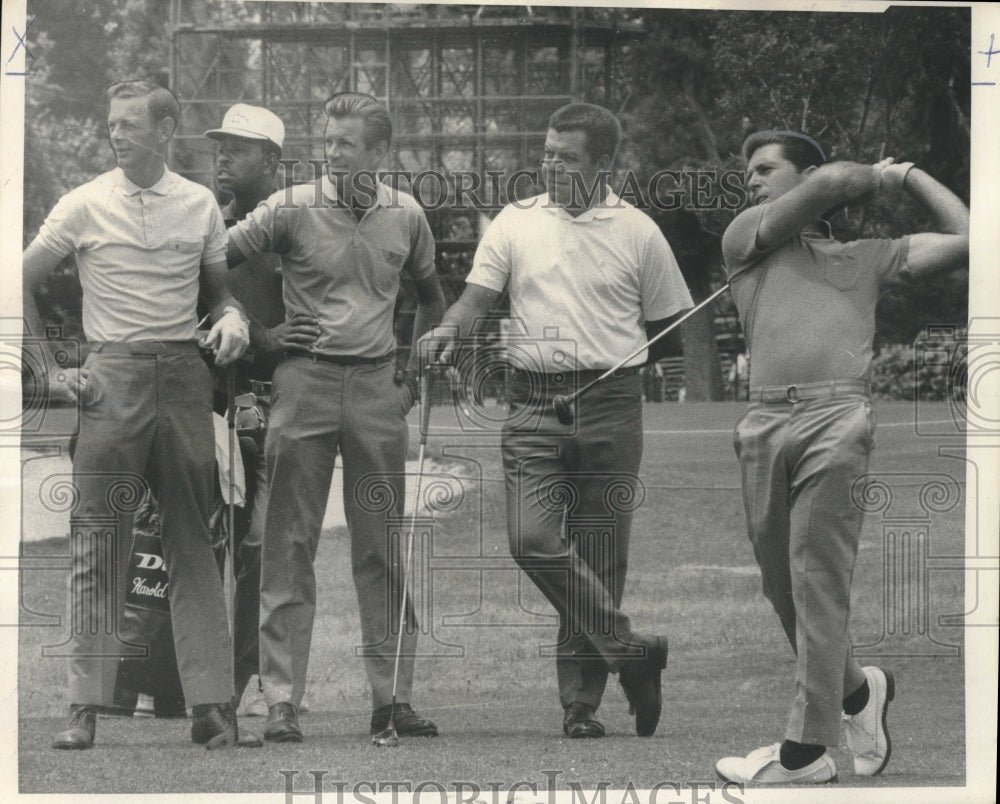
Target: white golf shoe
pixel 763 767
pixel 867 732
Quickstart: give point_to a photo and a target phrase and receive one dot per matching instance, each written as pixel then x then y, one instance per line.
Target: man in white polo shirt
pixel 146 242
pixel 590 278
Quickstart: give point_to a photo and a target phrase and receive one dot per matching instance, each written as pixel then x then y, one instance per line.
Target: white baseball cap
pixel 251 122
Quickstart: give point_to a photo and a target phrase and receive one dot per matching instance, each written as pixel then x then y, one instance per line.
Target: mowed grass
pixel 483 677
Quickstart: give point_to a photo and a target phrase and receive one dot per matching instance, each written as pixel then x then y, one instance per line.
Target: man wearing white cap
pixel 250 141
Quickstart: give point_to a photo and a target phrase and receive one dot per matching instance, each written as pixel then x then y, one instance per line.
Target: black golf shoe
pixel 640 679
pixel 407 722
pixel 80 732
pixel 283 723
pixel 214 725
pixel 579 722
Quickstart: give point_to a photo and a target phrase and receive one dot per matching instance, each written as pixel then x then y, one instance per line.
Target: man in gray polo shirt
pixel 807 303
pixel 146 242
pixel 345 242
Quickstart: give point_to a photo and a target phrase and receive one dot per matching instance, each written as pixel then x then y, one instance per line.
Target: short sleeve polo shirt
pixel 343 271
pixel 139 252
pixel 580 287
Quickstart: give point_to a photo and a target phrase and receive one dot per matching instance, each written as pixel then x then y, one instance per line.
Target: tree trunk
pixel 702 371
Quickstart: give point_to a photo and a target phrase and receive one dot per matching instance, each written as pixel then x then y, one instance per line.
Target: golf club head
pixel 563 406
pixel 387 738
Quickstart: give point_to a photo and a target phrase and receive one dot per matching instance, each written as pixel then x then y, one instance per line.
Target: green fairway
pixel 492 692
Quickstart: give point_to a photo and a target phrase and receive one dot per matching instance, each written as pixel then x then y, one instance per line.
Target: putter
pixel 563 403
pixel 388 738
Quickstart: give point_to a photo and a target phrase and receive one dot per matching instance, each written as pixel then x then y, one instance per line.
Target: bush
pixel 932 368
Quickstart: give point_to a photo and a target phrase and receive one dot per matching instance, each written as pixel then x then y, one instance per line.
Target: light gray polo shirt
pixel 344 271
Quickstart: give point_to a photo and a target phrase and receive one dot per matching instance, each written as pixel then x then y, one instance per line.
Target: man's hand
pixel 891 174
pixel 300 331
pixel 229 338
pixel 438 345
pixel 66 385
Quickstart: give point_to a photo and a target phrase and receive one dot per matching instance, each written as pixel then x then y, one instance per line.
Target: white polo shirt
pixel 139 253
pixel 581 287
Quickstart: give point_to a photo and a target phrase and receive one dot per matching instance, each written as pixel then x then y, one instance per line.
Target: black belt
pixel 143 347
pixel 575 377
pixel 341 360
pixel 809 390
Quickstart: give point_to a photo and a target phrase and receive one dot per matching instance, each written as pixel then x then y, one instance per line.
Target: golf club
pixel 388 738
pixel 563 403
pixel 247 739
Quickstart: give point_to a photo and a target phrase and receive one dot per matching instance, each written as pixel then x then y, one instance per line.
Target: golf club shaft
pixel 231 422
pixel 425 413
pixel 666 330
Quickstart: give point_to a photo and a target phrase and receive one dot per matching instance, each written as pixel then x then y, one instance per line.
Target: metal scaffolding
pixel 470 88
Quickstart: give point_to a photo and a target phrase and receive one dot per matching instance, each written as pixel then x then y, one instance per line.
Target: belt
pixel 341 360
pixel 574 377
pixel 143 347
pixel 809 390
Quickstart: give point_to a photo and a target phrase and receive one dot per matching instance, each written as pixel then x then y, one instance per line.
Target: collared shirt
pixel 581 287
pixel 808 305
pixel 139 253
pixel 342 270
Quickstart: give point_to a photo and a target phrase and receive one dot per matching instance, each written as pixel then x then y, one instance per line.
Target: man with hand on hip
pixel 345 240
pixel 807 303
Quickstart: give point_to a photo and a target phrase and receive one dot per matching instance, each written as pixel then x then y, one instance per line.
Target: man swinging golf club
pixel 808 310
pixel 578 260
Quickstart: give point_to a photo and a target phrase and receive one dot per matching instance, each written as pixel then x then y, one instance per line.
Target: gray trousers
pixel 318 409
pixel 571 491
pixel 146 413
pixel 799 461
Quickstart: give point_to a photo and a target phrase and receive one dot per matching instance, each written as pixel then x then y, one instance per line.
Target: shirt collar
pixel 609 208
pixel 330 192
pixel 130 188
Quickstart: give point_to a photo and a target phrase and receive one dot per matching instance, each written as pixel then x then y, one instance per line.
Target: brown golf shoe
pixel 80 732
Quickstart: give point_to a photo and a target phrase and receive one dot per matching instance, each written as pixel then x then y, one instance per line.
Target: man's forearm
pixel 427 316
pixel 951 214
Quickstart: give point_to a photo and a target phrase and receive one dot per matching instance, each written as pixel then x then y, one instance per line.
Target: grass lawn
pixel 493 694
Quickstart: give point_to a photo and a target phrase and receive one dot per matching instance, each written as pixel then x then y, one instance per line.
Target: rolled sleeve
pixel 739 243
pixel 215 239
pixel 491 264
pixel 420 262
pixel 661 284
pixel 61 229
pixel 259 231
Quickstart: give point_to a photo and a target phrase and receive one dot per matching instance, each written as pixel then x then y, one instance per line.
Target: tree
pixel 866 85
